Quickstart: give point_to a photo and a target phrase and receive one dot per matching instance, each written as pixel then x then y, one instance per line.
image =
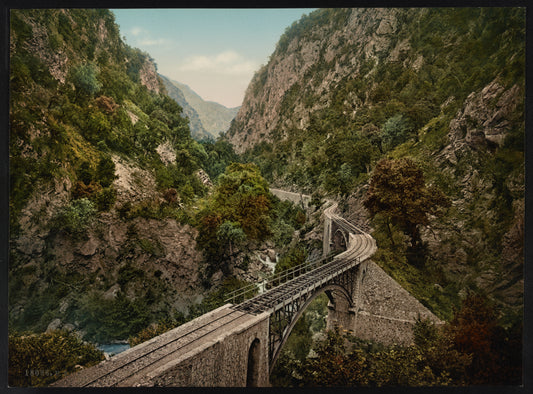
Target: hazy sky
pixel 213 51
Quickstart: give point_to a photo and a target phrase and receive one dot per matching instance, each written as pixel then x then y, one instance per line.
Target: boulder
pixel 90 247
pixel 54 325
pixel 271 253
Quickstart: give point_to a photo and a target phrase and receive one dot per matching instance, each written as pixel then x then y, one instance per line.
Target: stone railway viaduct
pixel 237 344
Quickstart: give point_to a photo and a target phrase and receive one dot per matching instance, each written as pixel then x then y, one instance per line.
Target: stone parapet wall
pixel 223 348
pixel 383 296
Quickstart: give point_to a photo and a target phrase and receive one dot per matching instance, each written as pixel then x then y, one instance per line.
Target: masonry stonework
pixel 224 361
pixel 383 310
pixel 228 347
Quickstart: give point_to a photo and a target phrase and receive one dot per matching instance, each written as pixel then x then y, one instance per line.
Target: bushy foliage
pixel 100 109
pixel 243 196
pixel 96 185
pixel 395 131
pixel 240 205
pixel 220 154
pixel 398 193
pixel 106 198
pixel 287 217
pixel 114 318
pixel 496 351
pixel 105 171
pixel 389 101
pixel 294 257
pixel 472 349
pixel 212 300
pixel 40 359
pixel 75 217
pixel 84 78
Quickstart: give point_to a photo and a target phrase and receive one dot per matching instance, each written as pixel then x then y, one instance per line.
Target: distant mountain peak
pixel 214 118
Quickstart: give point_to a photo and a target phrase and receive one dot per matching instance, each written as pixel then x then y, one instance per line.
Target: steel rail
pixel 161 346
pixel 276 277
pixel 279 278
pixel 302 283
pixel 170 355
pixel 296 285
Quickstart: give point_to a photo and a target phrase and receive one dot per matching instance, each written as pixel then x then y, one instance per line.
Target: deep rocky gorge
pixel 344 89
pixel 85 247
pixel 326 106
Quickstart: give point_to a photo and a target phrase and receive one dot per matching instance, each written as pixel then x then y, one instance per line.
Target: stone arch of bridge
pixel 252 370
pixel 287 331
pixel 339 240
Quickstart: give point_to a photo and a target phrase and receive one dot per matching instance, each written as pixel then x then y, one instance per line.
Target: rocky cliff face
pixel 346 87
pixel 149 77
pixel 161 251
pixel 316 56
pixel 338 47
pixel 197 129
pixel 79 239
pixel 484 121
pixel 479 235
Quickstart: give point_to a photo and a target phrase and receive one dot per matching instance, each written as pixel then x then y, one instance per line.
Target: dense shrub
pixel 105 171
pixel 75 217
pixel 105 199
pixel 106 319
pixel 40 359
pixel 84 78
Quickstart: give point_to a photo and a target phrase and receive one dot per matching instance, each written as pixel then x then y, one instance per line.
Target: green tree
pixel 238 209
pixel 230 234
pixel 219 155
pixel 118 318
pixel 105 171
pixel 75 217
pixel 208 223
pixel 97 126
pixel 243 196
pixel 344 175
pixel 475 331
pixel 292 258
pixel 106 198
pixel 434 363
pixel 84 78
pixel 396 130
pixel 398 192
pixel 85 172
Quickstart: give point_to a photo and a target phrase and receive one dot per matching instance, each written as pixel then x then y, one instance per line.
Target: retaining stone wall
pixel 384 311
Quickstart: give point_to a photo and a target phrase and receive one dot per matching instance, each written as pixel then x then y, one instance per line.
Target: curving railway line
pixel 139 365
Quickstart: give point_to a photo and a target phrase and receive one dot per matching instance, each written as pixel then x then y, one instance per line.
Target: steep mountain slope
pixel 215 117
pixel 445 87
pixel 102 168
pixel 198 131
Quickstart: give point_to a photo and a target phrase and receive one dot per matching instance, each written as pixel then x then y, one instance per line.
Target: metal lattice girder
pixel 287 301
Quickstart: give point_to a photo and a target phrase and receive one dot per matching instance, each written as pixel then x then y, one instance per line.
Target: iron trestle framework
pixel 287 301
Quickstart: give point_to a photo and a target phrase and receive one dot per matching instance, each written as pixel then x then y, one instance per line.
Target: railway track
pixel 123 370
pixel 138 365
pixel 361 246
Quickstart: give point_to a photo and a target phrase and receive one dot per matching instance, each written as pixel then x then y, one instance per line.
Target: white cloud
pixel 228 62
pixel 153 42
pixel 142 37
pixel 136 31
